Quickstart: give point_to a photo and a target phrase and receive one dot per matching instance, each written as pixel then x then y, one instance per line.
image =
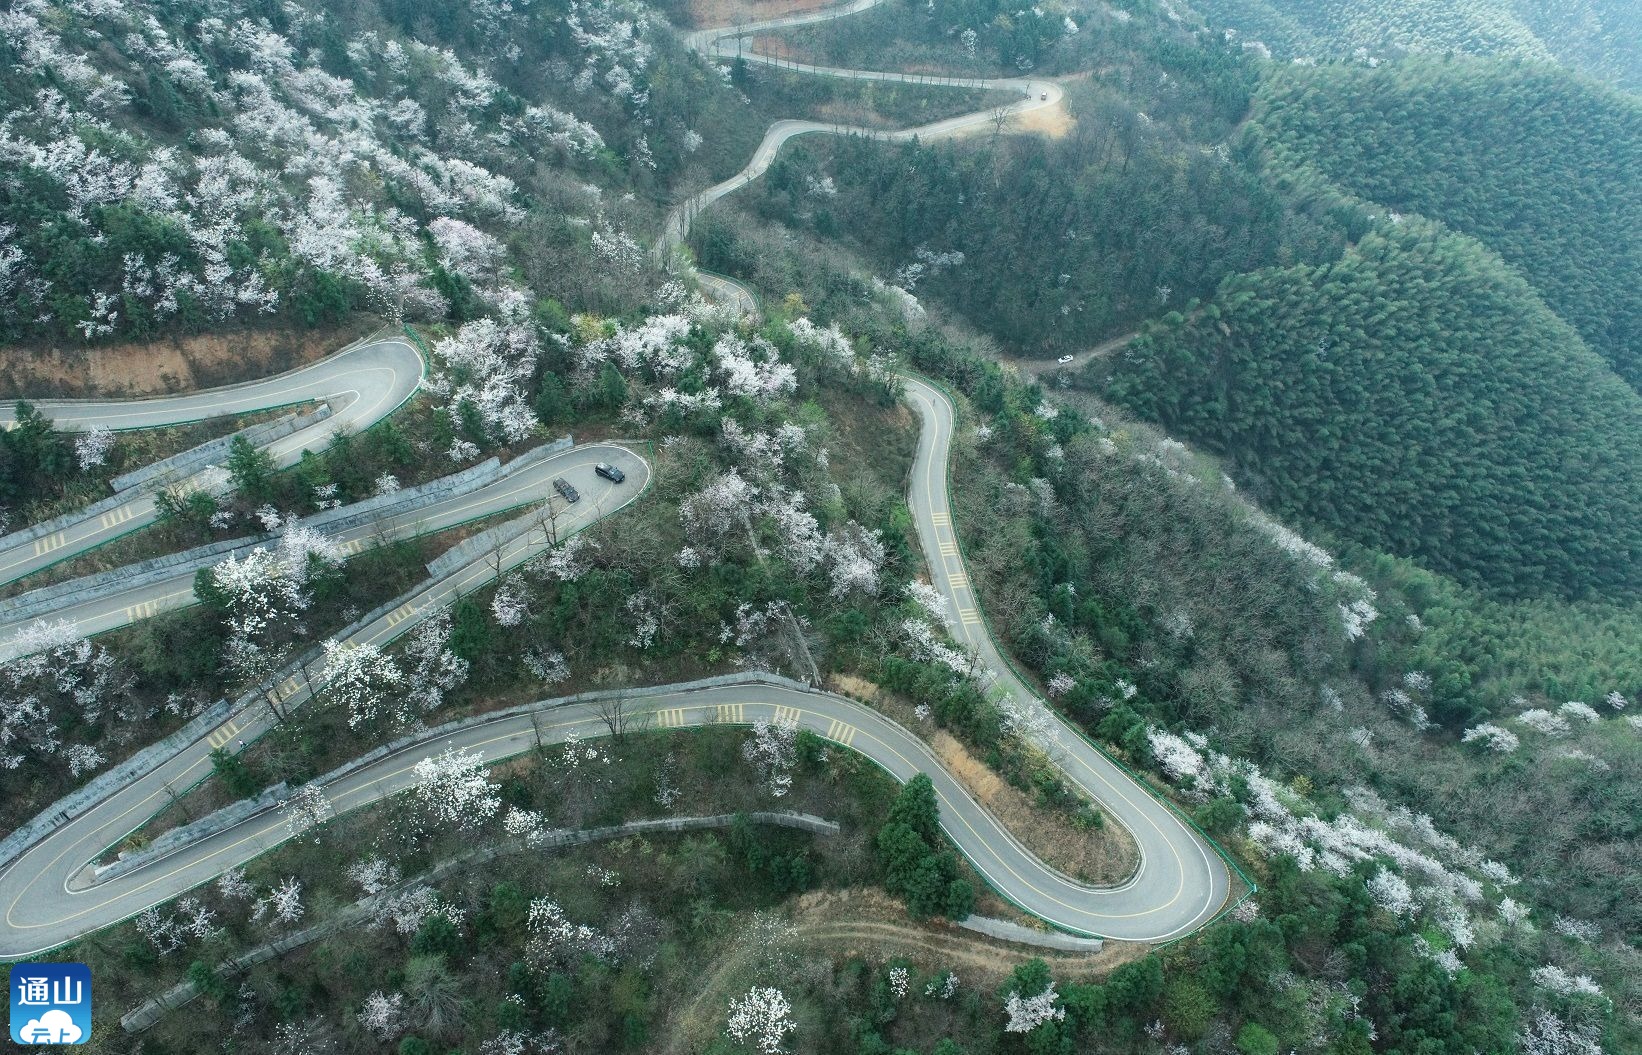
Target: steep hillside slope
pixel 1600 37
pixel 1417 397
pixel 178 165
pixel 1539 165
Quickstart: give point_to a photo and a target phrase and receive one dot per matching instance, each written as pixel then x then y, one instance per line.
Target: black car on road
pixel 568 493
pixel 610 472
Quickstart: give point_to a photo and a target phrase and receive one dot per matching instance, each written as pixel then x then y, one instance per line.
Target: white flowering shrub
pixel 771 749
pixel 554 939
pixel 484 371
pixel 1556 980
pixel 1576 711
pixel 305 811
pixel 762 1019
pixel 1493 737
pixel 1028 1013
pixel 92 446
pixel 361 679
pixel 434 668
pixel 930 600
pixel 58 673
pixel 383 1015
pixel 1542 721
pixel 453 790
pixel 282 905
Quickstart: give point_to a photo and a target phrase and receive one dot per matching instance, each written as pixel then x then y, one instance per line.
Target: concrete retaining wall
pixel 39 602
pixel 216 451
pixel 470 549
pixel 343 518
pixel 112 780
pixel 151 477
pixel 208 825
pixel 1004 930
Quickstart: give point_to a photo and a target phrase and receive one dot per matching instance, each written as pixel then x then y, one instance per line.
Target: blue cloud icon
pixel 53 1027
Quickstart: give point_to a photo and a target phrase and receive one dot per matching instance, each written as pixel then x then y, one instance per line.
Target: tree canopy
pixel 1418 397
pixel 1538 165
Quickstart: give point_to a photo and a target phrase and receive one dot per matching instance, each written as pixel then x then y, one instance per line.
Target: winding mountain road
pixel 48 896
pixel 527 486
pixel 363 383
pixel 1037 93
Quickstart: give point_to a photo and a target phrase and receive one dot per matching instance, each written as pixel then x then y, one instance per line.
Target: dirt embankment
pixel 175 364
pixel 714 13
pixel 1105 855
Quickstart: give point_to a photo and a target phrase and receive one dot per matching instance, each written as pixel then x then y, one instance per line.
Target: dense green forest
pixel 1418 397
pixel 1540 166
pixel 1600 37
pixel 1054 243
pixel 1051 245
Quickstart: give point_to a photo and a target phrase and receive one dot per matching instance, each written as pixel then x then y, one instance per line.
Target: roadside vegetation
pixel 1198 637
pixel 45 472
pixel 1416 397
pixel 1379 646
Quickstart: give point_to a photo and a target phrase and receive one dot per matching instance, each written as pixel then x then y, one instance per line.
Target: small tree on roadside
pixel 251 469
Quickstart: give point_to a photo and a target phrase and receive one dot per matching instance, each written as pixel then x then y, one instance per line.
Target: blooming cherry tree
pixel 382 1015
pixel 1028 1013
pixel 771 748
pixel 359 677
pixel 306 811
pixel 454 791
pixel 761 1018
pixel 282 905
pixel 92 446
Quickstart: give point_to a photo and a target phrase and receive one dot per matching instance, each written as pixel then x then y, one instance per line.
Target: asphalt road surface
pixel 1036 92
pixel 528 486
pixel 47 897
pixel 363 384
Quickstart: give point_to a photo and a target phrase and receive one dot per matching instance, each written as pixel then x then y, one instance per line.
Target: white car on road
pixel 1063 360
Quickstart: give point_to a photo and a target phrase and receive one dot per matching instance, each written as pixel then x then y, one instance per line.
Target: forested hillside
pixel 176 167
pixel 1417 397
pixel 1540 166
pixel 1600 37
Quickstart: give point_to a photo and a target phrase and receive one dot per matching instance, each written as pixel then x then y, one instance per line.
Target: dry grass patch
pixel 1102 856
